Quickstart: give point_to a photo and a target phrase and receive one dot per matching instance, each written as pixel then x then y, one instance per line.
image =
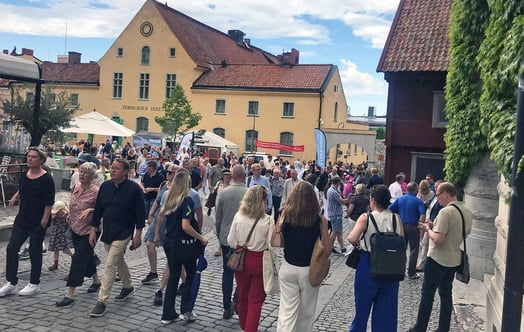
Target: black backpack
pixel 388 254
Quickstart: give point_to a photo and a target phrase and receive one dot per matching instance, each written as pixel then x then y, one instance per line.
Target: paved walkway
pixel 335 308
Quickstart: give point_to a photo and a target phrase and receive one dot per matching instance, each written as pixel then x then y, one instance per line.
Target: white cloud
pixel 358 83
pixel 267 19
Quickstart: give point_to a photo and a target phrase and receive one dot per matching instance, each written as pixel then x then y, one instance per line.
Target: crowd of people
pixel 258 206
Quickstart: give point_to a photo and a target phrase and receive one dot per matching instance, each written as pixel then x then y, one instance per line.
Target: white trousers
pixel 298 299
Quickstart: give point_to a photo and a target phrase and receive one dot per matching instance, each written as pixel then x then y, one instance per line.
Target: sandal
pixel 52 267
pixel 218 253
pixel 93 288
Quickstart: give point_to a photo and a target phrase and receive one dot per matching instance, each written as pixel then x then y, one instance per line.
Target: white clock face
pixel 146 29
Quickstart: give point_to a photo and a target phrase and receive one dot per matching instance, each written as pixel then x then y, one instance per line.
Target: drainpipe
pixel 321 98
pixel 514 279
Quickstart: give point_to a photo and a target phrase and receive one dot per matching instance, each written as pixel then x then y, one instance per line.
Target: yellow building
pixel 242 92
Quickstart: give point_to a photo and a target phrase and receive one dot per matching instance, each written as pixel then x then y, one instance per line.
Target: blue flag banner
pixel 320 141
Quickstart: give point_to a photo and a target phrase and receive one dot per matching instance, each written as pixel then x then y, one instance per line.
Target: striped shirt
pixel 334 208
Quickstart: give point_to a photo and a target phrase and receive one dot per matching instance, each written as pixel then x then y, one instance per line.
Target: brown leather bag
pixel 236 261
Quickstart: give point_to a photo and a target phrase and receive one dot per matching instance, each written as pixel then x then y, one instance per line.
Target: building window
pixel 220 106
pixel 439 110
pixel 251 137
pixel 286 138
pixel 172 52
pixel 288 110
pixel 355 147
pixel 117 85
pixel 335 88
pixel 73 99
pixel 220 132
pixel 29 96
pixel 143 92
pixel 145 55
pixel 252 108
pixel 120 51
pixel 170 84
pixel 142 124
pixel 335 112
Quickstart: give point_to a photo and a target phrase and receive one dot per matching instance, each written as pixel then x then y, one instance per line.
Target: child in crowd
pixel 59 240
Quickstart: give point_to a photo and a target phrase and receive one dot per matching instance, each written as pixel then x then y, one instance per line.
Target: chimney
pixel 295 54
pixel 236 35
pixel 27 51
pixel 289 58
pixel 371 112
pixel 62 58
pixel 74 58
pixel 5 51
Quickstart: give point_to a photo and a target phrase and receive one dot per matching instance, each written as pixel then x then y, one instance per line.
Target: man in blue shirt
pixel 412 211
pixel 258 179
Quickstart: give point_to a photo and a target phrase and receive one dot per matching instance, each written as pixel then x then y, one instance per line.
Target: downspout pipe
pixel 514 278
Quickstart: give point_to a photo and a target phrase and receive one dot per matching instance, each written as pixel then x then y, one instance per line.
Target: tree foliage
pixel 487 41
pixel 465 142
pixel 55 111
pixel 178 115
pixel 500 56
pixel 381 133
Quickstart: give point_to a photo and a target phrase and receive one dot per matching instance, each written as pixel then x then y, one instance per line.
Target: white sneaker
pixel 8 289
pixel 30 289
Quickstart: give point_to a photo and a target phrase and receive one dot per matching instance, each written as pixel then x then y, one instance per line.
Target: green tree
pixel 55 112
pixel 178 115
pixel 381 133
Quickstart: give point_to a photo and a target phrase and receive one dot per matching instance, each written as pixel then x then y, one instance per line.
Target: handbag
pixel 270 272
pixel 211 200
pixel 236 261
pixel 462 273
pixel 353 258
pixel 319 264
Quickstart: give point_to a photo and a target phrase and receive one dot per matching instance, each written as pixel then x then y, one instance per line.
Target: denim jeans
pixel 18 237
pixel 436 277
pixel 228 276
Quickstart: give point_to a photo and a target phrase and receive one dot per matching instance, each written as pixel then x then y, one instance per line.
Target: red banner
pixel 278 146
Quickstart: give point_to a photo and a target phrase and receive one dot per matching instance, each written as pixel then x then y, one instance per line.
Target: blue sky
pixel 347 33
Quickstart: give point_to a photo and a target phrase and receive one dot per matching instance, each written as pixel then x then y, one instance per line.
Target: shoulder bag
pixel 462 273
pixel 319 264
pixel 236 261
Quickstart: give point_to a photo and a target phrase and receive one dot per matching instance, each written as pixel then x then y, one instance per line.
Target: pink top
pixel 80 201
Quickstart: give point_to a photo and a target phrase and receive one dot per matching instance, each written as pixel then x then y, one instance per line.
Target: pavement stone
pixel 335 307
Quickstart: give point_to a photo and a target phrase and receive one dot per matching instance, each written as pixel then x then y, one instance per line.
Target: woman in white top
pixel 381 296
pixel 250 284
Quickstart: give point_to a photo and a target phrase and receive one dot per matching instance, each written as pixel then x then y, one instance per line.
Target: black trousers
pixel 18 237
pixel 83 261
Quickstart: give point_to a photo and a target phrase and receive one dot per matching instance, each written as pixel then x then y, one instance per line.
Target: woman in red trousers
pixel 250 284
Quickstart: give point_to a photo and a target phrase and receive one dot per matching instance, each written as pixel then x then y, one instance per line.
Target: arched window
pixel 220 132
pixel 335 113
pixel 142 124
pixel 251 137
pixel 286 138
pixel 145 55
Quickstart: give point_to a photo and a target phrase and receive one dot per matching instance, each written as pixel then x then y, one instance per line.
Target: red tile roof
pixel 309 78
pixel 80 73
pixel 206 45
pixel 418 39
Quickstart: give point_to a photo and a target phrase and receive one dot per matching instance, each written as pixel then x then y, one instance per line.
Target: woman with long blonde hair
pixel 183 244
pixel 298 227
pixel 250 284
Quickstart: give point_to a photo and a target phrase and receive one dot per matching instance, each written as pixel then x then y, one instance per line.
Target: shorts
pixel 150 233
pixel 336 223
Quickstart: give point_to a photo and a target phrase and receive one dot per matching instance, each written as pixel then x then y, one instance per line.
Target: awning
pixel 97 124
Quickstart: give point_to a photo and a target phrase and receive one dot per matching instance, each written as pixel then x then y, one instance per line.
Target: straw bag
pixel 319 264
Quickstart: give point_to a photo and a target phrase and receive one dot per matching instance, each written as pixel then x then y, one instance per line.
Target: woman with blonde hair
pixel 297 229
pixel 425 194
pixel 358 203
pixel 250 284
pixel 183 244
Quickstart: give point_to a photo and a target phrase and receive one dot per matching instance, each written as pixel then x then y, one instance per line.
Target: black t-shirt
pixel 152 182
pixel 35 195
pixel 361 204
pixel 299 243
pixel 174 231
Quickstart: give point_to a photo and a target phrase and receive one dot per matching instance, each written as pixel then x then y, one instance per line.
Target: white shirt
pixel 395 190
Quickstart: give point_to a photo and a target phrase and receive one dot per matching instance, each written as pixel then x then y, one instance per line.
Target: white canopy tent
pixel 97 124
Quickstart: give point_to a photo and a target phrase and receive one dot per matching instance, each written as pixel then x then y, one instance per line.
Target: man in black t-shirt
pixel 37 194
